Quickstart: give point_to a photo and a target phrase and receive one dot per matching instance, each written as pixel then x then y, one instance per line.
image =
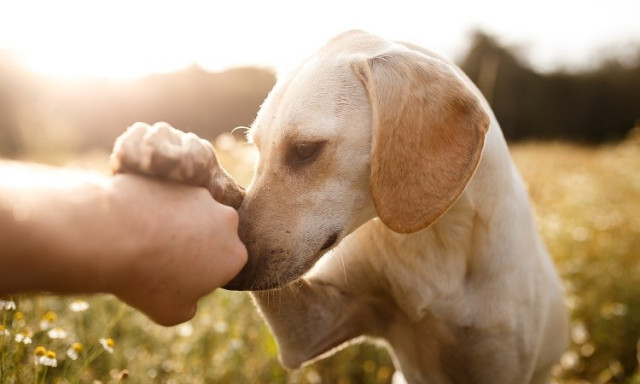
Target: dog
pixel 384 204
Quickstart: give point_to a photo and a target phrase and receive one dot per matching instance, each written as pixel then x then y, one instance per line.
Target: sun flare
pixel 116 40
pixel 85 63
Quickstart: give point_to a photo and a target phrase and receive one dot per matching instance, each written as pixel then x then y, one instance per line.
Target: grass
pixel 588 205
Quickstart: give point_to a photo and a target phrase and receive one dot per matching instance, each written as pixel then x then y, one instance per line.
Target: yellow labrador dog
pixel 383 161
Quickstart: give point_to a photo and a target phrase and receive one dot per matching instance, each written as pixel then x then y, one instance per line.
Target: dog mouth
pixel 251 279
pixel 330 242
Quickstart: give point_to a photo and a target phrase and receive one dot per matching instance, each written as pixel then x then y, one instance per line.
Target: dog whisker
pixel 240 128
pixel 338 253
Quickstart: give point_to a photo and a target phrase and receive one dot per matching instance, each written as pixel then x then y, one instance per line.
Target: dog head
pixel 364 128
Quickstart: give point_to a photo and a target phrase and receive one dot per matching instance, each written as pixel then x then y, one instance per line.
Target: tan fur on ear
pixel 428 135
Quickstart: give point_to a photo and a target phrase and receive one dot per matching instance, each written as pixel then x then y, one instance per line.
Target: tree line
pixel 594 106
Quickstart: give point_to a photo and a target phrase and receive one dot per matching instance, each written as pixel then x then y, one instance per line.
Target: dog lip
pixel 239 286
pixel 330 242
pixel 235 285
pixel 241 281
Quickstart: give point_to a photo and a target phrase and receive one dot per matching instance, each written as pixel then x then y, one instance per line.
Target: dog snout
pixel 268 240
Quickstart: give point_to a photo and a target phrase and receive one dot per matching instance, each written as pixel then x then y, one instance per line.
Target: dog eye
pixel 303 153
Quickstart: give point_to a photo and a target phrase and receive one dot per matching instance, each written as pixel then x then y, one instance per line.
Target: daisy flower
pixel 48 359
pixel 23 337
pixel 18 319
pixel 40 351
pixel 47 320
pixel 44 357
pixel 74 350
pixel 79 306
pixel 8 304
pixel 107 344
pixel 57 333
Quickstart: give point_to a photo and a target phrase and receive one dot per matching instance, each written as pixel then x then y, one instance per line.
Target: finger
pixel 198 160
pixel 125 156
pixel 160 149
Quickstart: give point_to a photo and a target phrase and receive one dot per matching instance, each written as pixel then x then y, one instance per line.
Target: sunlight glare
pixel 124 39
pixel 117 65
pixel 115 40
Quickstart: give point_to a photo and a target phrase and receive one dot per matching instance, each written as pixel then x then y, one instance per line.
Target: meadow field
pixel 587 201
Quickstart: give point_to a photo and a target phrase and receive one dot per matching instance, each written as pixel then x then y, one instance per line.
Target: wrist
pixel 123 232
pixel 83 227
pixel 52 227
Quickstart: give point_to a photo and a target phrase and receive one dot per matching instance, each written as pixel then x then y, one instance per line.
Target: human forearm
pixel 51 238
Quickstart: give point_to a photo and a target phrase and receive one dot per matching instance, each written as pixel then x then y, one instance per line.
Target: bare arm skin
pixel 158 246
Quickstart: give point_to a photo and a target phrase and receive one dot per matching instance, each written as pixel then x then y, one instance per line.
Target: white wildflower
pixel 7 304
pixel 57 333
pixel 74 350
pixel 79 306
pixel 48 359
pixel 47 320
pixel 23 337
pixel 44 357
pixel 107 344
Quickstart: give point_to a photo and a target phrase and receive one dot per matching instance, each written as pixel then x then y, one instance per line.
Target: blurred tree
pixel 194 100
pixel 95 111
pixel 590 106
pixel 13 90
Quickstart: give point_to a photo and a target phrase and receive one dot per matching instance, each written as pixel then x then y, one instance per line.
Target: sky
pixel 129 38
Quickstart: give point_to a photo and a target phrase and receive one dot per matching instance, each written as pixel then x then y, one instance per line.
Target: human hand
pixel 182 245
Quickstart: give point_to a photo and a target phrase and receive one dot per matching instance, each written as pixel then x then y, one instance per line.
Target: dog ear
pixel 428 135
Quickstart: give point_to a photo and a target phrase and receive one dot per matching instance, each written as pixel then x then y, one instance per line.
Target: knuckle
pixel 163 134
pixel 138 127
